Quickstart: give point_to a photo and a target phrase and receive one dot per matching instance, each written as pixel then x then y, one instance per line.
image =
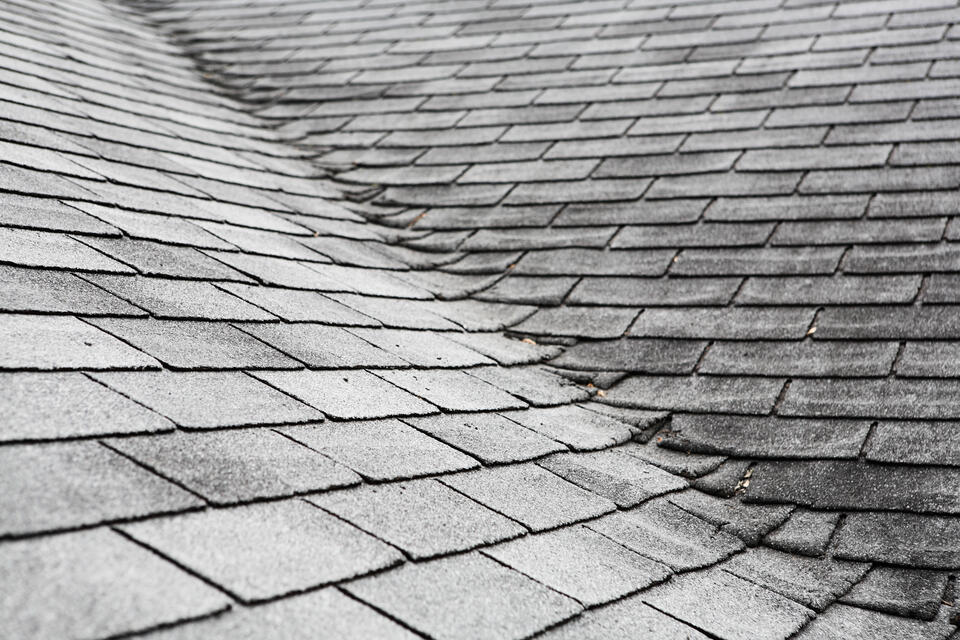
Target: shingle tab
pixel 240 549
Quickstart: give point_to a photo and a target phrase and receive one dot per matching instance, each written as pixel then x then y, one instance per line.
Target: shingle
pixel 902 259
pixel 143 226
pixel 295 618
pixel 640 355
pixel 902 592
pixel 165 298
pixel 675 462
pixel 95 584
pixel 236 465
pixel 911 443
pixel 886 179
pixel 929 360
pixel 63 342
pixel 885 398
pixel 529 171
pixel 594 262
pixel 795 359
pixel 453 390
pixel 707 234
pixel 536 385
pixel 614 147
pixel 489 437
pixel 580 563
pixel 422 348
pixel 465 597
pixel 757 261
pixel 859 231
pixel 66 485
pixel 574 426
pixel 805 532
pixel 382 449
pixel 423 518
pixel 840 114
pixel 527 239
pixel 50 215
pixel 738 323
pixel 300 306
pixel 261 551
pixel 814 583
pixel 579 322
pixel 941 288
pixel 612 474
pixel 323 346
pixel 196 345
pixel 825 290
pixel 61 405
pixel 347 395
pixel 787 208
pixel 785 138
pixel 766 437
pixel 749 522
pixel 697 123
pixel 598 190
pixel 642 212
pixel 842 621
pixel 627 619
pixel 815 158
pixel 786 97
pixel 154 259
pixel 204 400
pixel 530 495
pixel 661 531
pixel 920 541
pixel 57 292
pixel 824 484
pixel 725 184
pixel 893 323
pixel 658 165
pixel 700 394
pixel 504 350
pixel 659 291
pixel 28 248
pixel 760 613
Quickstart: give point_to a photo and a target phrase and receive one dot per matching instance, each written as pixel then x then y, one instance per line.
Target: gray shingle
pixel 347 395
pixel 814 583
pixel 453 390
pixel 859 624
pixel 65 485
pixel 663 532
pixel 39 406
pixel 580 563
pixel 580 322
pixel 931 321
pixel 57 292
pixel 622 478
pixel 886 398
pixel 28 248
pixel 654 291
pixel 154 259
pixel 804 358
pixel 835 484
pixel 574 426
pixel 236 465
pixel 465 597
pixel 261 551
pixel 830 290
pixel 738 323
pixel 627 619
pixel 423 518
pixel 165 298
pixel 95 584
pixel 901 592
pixel 322 346
pixel 300 306
pixel 204 400
pixel 914 443
pixel 757 261
pixel 381 450
pixel 805 532
pixel 760 613
pixel 489 437
pixel 710 394
pixel 913 540
pixel 530 495
pixel 295 618
pixel 63 342
pixel 788 208
pixel 765 437
pixel 196 345
pixel 422 348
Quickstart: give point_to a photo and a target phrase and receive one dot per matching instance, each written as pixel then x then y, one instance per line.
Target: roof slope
pixel 265 267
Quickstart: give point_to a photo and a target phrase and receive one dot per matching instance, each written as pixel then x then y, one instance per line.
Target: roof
pixel 479 319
